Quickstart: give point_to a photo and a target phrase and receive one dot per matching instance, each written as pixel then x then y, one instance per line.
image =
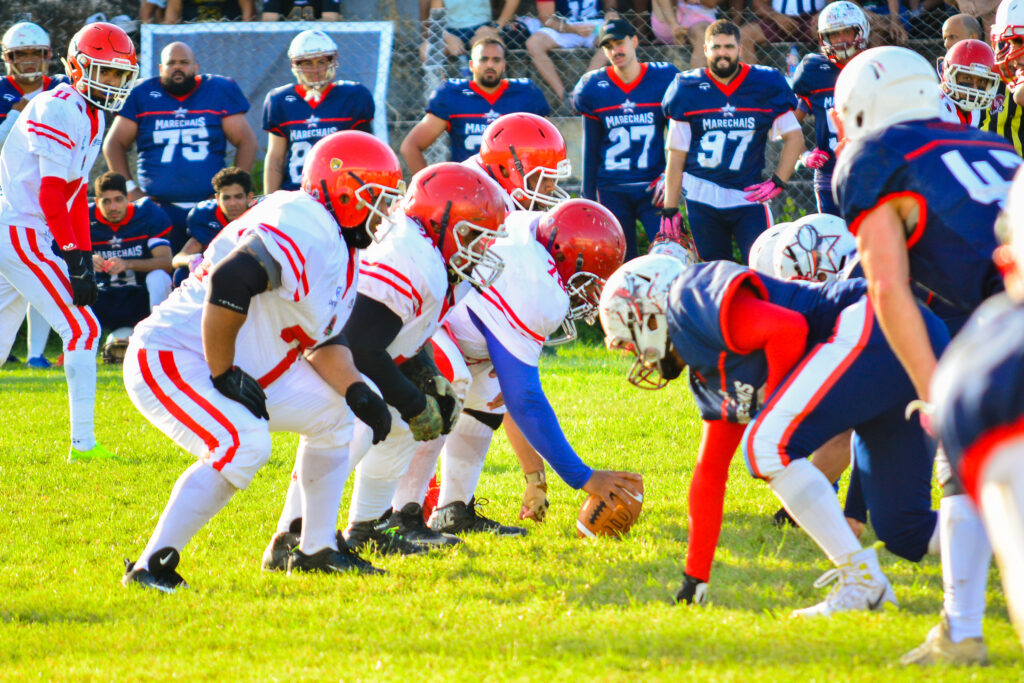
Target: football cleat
pixel 330 561
pixel 97 452
pixel 782 519
pixel 693 592
pixel 457 518
pixel 275 557
pixel 360 535
pixel 11 358
pixel 160 574
pixel 862 586
pixel 939 648
pixel 407 525
pixel 38 363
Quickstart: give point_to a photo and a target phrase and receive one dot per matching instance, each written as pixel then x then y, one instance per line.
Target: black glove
pixel 239 386
pixel 422 371
pixel 83 282
pixel 370 408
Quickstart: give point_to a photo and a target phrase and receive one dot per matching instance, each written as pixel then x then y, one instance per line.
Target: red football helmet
pixel 968 75
pixel 588 245
pixel 1008 26
pixel 355 176
pixel 95 49
pixel 463 212
pixel 522 151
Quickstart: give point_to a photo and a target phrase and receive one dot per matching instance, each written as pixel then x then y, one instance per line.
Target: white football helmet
pixel 1009 23
pixel 884 86
pixel 116 345
pixel 667 247
pixel 814 248
pixel 25 36
pixel 763 249
pixel 633 305
pixel 308 45
pixel 839 16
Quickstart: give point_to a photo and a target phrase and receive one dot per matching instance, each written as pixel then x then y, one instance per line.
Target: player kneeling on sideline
pixel 980 409
pixel 555 266
pixel 251 344
pixel 744 337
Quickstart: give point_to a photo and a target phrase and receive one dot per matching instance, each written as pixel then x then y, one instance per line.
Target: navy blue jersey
pixel 205 221
pixel 468 109
pixel 978 388
pixel 11 94
pixel 813 84
pixel 181 140
pixel 287 114
pixel 145 226
pixel 960 177
pixel 729 124
pixel 578 10
pixel 726 384
pixel 631 144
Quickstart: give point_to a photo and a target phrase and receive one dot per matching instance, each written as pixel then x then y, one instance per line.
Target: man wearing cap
pixel 623 131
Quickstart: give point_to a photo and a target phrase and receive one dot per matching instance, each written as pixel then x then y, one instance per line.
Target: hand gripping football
pixel 597 519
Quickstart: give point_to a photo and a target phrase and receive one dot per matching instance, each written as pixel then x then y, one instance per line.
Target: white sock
pixel 808 497
pixel 292 504
pixel 462 460
pixel 362 440
pixel 1002 507
pixel 38 333
pixel 158 285
pixel 935 542
pixel 80 370
pixel 371 495
pixel 966 554
pixel 322 478
pixel 198 495
pixel 412 487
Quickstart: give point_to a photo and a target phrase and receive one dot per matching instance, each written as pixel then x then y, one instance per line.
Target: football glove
pixel 427 425
pixel 422 371
pixel 693 592
pixel 370 408
pixel 766 191
pixel 535 497
pixel 242 387
pixel 83 283
pixel 671 224
pixel 657 190
pixel 815 159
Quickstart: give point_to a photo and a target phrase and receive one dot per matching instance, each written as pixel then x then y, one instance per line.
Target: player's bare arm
pixel 184 257
pixel 160 260
pixel 422 136
pixel 240 134
pixel 674 165
pixel 792 147
pixel 273 163
pixel 334 364
pixel 119 140
pixel 881 242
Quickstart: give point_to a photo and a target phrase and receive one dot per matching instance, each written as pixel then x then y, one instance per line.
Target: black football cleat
pixel 160 574
pixel 693 592
pixel 275 557
pixel 378 534
pixel 330 561
pixel 457 518
pixel 782 519
pixel 406 529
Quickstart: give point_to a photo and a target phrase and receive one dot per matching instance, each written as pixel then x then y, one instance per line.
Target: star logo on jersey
pixel 180 113
pixel 491 116
pixel 313 121
pixel 728 110
pixel 628 106
pixel 115 242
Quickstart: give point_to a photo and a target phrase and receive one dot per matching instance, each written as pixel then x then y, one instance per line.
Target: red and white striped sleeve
pixel 53 131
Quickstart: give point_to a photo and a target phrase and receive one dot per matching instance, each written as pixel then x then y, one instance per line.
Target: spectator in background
pixel 181 123
pixel 564 24
pixel 466 22
pixel 296 115
pixel 677 22
pixel 232 195
pixel 301 10
pixel 178 11
pixel 780 21
pixel 960 27
pixel 983 10
pixel 131 254
pixel 465 107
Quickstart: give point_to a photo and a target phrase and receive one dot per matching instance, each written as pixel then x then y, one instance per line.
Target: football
pixel 597 519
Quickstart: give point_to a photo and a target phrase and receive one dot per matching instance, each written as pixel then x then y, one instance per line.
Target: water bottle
pixel 792 60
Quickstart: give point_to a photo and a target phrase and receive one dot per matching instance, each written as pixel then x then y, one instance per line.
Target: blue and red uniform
pixel 345 105
pixel 11 94
pixel 123 300
pixel 624 142
pixel 205 222
pixel 468 109
pixel 728 126
pixel 837 373
pixel 814 84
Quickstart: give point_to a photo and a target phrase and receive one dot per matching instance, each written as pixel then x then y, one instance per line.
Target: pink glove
pixel 815 159
pixel 764 192
pixel 671 225
pixel 657 190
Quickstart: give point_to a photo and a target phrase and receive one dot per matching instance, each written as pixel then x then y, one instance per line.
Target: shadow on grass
pixel 31 616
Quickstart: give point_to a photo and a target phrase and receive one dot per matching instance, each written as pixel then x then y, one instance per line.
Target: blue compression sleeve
pixel 529 407
pixel 591 149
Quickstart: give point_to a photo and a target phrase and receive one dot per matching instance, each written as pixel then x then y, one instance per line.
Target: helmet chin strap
pixel 356 238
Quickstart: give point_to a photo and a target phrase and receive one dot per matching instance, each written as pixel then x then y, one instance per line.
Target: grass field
pixel 536 608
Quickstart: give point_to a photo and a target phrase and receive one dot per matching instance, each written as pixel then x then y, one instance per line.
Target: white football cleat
pixel 862 586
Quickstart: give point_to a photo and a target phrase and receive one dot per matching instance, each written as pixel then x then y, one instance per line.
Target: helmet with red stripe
pixel 102 65
pixel 462 212
pixel 526 154
pixel 968 75
pixel 1008 41
pixel 843 31
pixel 26 50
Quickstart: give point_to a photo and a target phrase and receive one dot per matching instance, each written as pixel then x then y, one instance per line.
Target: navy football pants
pixel 629 204
pixel 713 229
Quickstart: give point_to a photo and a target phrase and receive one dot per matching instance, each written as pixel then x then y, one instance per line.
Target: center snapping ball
pixel 597 519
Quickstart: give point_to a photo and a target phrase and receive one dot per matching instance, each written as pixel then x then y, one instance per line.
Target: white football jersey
pixel 406 273
pixel 317 291
pixel 56 125
pixel 524 305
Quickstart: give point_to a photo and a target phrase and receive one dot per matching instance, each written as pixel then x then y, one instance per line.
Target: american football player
pixel 969 82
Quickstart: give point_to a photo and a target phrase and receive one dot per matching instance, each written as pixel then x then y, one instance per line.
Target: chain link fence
pixel 411 80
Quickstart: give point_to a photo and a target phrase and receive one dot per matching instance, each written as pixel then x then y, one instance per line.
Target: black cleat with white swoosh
pixel 159 574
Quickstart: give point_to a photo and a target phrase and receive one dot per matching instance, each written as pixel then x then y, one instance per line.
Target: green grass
pixel 532 609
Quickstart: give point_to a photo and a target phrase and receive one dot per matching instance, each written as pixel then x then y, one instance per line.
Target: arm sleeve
pixel 369 330
pixel 53 201
pixel 679 135
pixel 754 324
pixel 783 124
pixel 591 148
pixel 235 281
pixel 79 216
pixel 529 407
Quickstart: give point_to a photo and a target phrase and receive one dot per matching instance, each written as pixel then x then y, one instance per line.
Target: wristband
pixel 779 182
